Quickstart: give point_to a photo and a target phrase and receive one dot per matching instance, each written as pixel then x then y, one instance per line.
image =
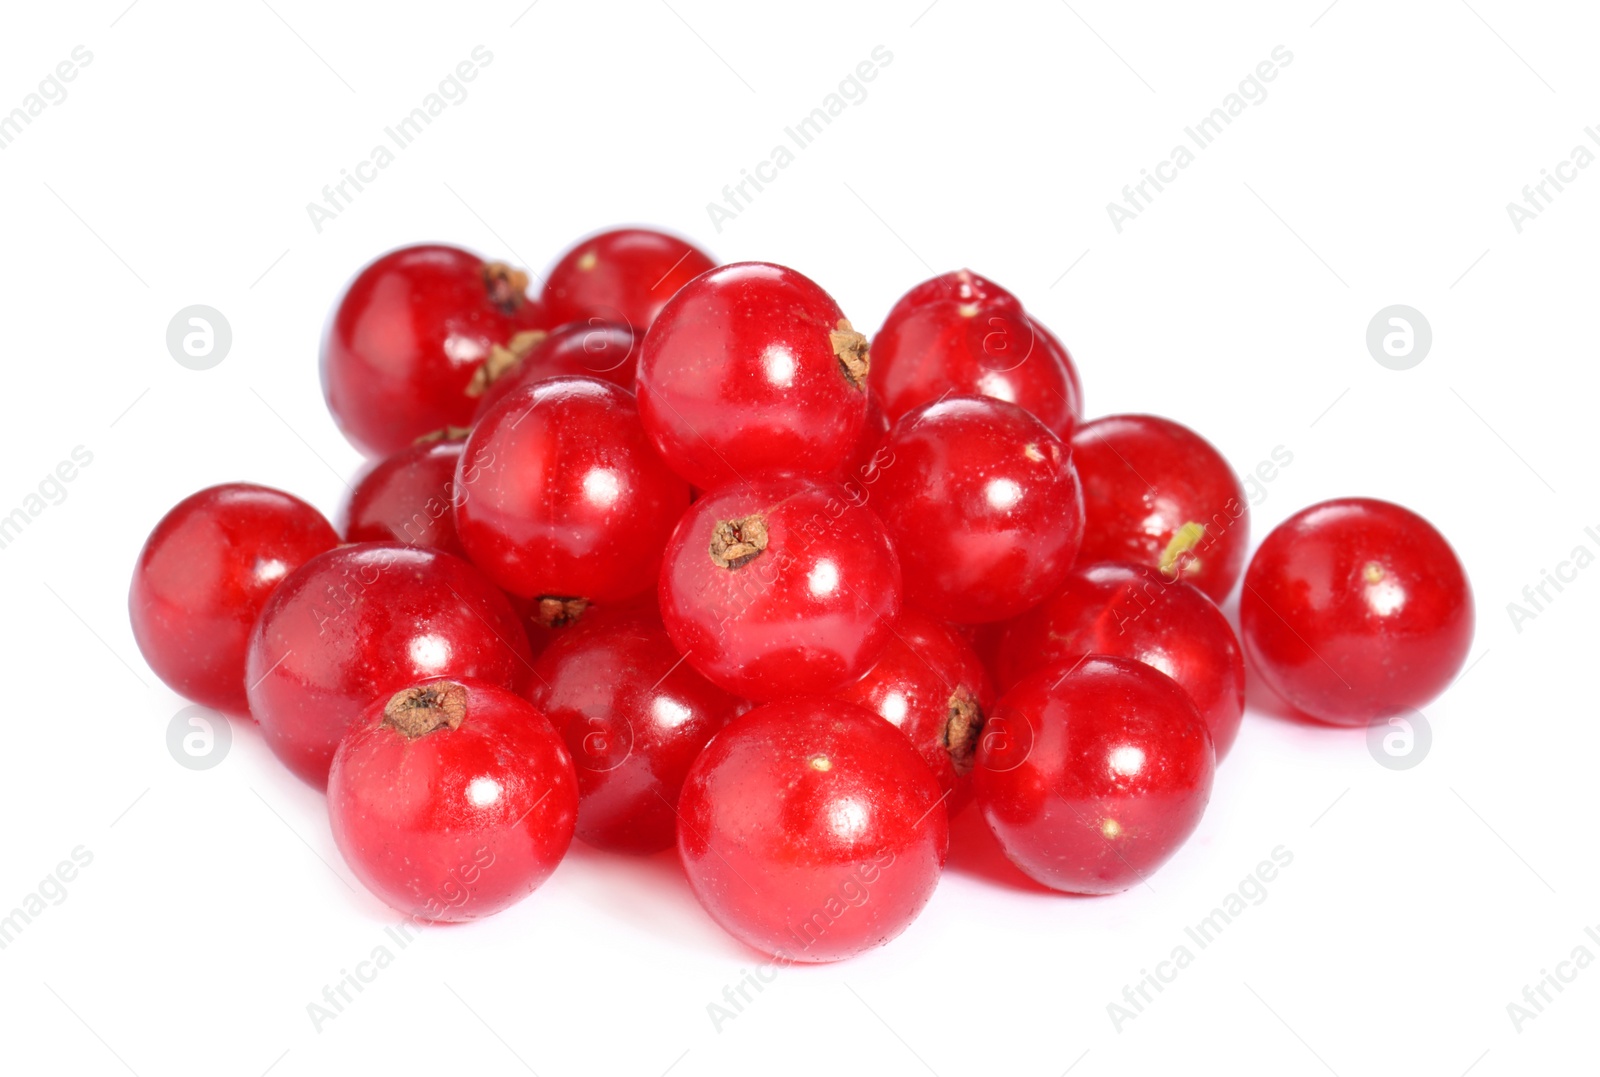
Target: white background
pixel 1377 171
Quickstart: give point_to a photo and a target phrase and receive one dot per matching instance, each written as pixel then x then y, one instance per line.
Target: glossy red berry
pixel 1074 390
pixel 626 276
pixel 560 495
pixel 956 286
pixel 752 367
pixel 408 337
pixel 452 800
pixel 359 623
pixel 867 458
pixel 1156 493
pixel 930 684
pixel 593 349
pixel 780 587
pixel 203 576
pixel 634 716
pixel 1129 611
pixel 1092 776
pixel 406 497
pixel 1355 610
pixel 811 830
pixel 962 333
pixel 982 503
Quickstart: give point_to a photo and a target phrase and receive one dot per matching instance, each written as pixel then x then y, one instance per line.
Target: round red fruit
pixel 357 624
pixel 1092 776
pixel 811 830
pixel 1156 493
pixel 560 495
pixel 866 459
pixel 203 576
pixel 1129 611
pixel 403 349
pixel 626 276
pixel 406 497
pixel 1356 610
pixel 982 504
pixel 752 367
pixel 931 685
pixel 962 333
pixel 780 587
pixel 634 716
pixel 452 800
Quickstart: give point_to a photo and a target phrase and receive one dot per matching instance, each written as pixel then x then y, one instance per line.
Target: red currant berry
pixel 357 624
pixel 634 715
pixel 560 495
pixel 780 587
pixel 452 800
pixel 1074 390
pixel 1092 777
pixel 867 459
pixel 407 338
pixel 930 684
pixel 622 276
pixel 982 503
pixel 957 286
pixel 1129 611
pixel 752 367
pixel 811 830
pixel 203 576
pixel 593 349
pixel 406 497
pixel 1355 610
pixel 962 333
pixel 1156 493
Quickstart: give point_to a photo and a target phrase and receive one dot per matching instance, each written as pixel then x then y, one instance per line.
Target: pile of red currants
pixel 667 555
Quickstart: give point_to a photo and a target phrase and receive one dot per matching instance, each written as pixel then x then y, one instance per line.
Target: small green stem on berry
pixel 1180 550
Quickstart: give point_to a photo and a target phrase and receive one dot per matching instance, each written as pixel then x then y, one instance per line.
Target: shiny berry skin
pixel 1129 611
pixel 780 587
pixel 358 624
pixel 956 286
pixel 634 715
pixel 867 458
pixel 752 367
pixel 1156 493
pixel 406 497
pixel 407 337
pixel 592 349
pixel 1092 776
pixel 559 494
pixel 452 800
pixel 203 576
pixel 1355 610
pixel 626 276
pixel 1074 390
pixel 811 830
pixel 930 684
pixel 962 333
pixel 982 504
